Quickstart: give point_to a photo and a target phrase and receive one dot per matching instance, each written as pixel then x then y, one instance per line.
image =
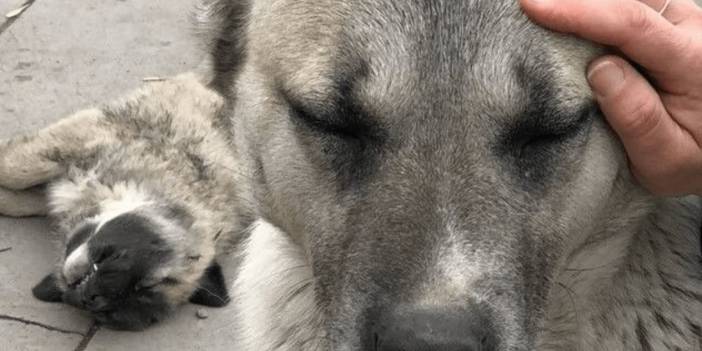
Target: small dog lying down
pixel 142 191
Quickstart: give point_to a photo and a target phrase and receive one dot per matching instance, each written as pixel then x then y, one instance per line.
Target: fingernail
pixel 605 78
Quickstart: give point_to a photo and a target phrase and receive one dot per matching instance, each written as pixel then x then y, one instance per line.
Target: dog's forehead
pixel 410 50
pixel 306 41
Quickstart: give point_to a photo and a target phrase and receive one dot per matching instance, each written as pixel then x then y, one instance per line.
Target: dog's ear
pixel 212 290
pixel 223 27
pixel 48 290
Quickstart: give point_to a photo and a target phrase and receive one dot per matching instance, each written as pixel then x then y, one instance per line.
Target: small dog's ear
pixel 212 290
pixel 48 290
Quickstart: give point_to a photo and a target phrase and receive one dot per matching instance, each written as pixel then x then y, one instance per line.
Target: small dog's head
pixel 129 271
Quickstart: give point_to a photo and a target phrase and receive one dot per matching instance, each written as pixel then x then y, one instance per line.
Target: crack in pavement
pixel 40 325
pixel 9 21
pixel 94 328
pixel 5 249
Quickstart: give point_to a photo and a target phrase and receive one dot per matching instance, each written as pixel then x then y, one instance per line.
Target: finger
pixel 631 26
pixel 636 113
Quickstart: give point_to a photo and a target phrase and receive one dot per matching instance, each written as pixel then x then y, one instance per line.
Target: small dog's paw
pixel 4 162
pixel 23 164
pixel 13 167
pixel 22 203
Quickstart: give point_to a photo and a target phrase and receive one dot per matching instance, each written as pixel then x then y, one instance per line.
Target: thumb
pixel 636 113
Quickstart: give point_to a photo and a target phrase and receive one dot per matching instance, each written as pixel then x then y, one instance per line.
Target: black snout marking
pixel 127 244
pixel 412 329
pixel 124 251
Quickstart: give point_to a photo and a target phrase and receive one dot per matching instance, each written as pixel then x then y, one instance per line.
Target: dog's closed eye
pixel 148 285
pixel 341 119
pixel 340 132
pixel 542 143
pixel 535 135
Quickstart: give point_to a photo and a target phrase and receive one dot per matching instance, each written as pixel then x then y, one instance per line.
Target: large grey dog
pixel 434 175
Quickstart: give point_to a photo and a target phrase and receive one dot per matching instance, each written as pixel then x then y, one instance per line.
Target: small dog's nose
pixel 408 329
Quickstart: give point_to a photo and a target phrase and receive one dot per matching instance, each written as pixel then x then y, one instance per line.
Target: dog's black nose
pixel 409 329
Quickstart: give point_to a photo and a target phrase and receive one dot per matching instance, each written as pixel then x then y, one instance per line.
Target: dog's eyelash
pixel 325 125
pixel 170 281
pixel 102 257
pixel 534 134
pixel 585 115
pixel 339 117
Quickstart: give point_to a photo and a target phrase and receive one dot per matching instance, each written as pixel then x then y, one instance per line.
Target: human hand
pixel 659 120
